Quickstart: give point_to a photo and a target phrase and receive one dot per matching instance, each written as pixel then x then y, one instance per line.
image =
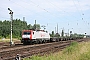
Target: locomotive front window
pixel 27 33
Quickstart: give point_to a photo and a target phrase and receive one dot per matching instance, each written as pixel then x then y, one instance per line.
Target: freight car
pixel 32 36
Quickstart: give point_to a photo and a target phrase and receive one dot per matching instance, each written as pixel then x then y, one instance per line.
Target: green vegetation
pixel 8 40
pixel 70 49
pixel 77 35
pixel 62 34
pixel 76 51
pixel 54 35
pixel 17 26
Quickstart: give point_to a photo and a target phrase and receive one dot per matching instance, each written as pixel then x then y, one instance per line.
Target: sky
pixel 69 15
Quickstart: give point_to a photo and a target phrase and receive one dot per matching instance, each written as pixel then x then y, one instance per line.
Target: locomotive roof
pixel 34 30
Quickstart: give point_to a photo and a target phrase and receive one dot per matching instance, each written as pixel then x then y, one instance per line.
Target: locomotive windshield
pixel 27 33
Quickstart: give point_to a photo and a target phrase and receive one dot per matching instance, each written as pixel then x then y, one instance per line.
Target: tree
pixel 52 34
pixel 62 34
pixel 17 27
pixel 29 26
pixel 57 35
pixel 36 26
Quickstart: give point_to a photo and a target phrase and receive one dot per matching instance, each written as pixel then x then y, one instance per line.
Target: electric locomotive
pixel 32 36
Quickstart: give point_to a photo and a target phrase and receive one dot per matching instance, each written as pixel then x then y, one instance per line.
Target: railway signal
pixel 11 18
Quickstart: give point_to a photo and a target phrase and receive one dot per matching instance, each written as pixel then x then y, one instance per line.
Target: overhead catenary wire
pixel 61 9
pixel 29 4
pixel 27 8
pixel 37 5
pixel 20 6
pixel 80 7
pixel 45 9
pixel 77 8
pixel 80 11
pixel 67 12
pixel 42 8
pixel 33 3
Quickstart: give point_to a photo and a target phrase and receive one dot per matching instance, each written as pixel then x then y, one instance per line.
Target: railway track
pixel 29 50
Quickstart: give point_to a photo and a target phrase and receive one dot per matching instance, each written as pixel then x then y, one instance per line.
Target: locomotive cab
pixel 26 36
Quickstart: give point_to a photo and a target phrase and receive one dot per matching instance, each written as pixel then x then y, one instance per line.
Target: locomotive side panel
pixel 42 35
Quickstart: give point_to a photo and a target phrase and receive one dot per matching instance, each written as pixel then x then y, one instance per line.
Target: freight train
pixel 41 36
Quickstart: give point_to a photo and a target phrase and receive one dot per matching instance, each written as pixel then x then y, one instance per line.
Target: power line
pixel 80 8
pixel 27 8
pixel 61 9
pixel 56 6
pixel 43 9
pixel 20 5
pixel 81 11
pixel 77 9
pixel 38 6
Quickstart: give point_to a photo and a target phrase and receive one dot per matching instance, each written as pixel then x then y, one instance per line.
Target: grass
pixel 76 51
pixel 7 40
pixel 70 49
